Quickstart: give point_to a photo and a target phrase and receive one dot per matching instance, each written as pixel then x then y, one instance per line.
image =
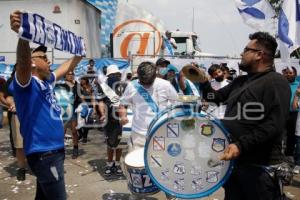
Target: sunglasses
pixel 250 49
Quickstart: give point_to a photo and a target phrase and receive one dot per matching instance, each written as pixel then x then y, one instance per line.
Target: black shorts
pixel 113 133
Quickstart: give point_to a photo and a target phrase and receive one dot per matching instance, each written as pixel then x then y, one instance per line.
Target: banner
pixel 37 29
pixel 289 28
pixel 258 14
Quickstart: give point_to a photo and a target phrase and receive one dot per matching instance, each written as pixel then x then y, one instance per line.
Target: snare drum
pixel 138 180
pixel 181 152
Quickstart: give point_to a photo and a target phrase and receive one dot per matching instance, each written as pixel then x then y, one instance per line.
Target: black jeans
pixel 251 183
pixel 48 167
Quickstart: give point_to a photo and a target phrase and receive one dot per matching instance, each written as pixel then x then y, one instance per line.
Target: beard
pixel 291 79
pixel 244 67
pixel 219 78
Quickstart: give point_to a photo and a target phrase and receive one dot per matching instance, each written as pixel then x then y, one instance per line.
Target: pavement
pixel 84 176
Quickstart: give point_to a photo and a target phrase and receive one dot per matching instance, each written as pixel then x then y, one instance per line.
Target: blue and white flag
pixel 37 29
pixel 169 46
pixel 289 27
pixel 258 14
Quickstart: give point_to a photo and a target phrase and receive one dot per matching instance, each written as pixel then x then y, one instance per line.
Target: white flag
pixel 289 28
pixel 38 29
pixel 258 14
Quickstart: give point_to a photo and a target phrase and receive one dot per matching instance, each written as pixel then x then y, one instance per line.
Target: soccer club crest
pixel 218 144
pixel 207 129
pixel 188 124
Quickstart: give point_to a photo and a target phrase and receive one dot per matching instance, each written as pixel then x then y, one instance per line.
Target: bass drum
pixel 181 152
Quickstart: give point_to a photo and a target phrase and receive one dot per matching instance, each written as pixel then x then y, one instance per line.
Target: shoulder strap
pixel 110 93
pixel 169 46
pixel 148 99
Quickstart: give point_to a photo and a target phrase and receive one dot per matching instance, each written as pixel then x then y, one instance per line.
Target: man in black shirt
pixel 255 116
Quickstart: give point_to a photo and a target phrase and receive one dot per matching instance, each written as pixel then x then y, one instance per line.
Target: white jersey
pixel 217 111
pixel 162 93
pixel 218 85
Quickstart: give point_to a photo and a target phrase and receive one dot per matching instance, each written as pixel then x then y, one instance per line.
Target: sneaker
pixel 296 169
pixel 119 170
pixel 21 174
pixel 108 170
pixel 75 153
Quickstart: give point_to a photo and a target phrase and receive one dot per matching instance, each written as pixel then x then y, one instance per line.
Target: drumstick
pixel 213 162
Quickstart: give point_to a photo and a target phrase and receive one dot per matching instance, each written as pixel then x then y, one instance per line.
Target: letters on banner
pixel 37 29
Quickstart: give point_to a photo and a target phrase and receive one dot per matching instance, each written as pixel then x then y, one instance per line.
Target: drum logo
pixel 174 149
pixel 218 144
pixel 179 184
pixel 173 130
pixel 179 168
pixel 137 180
pixel 158 143
pixel 207 129
pixel 197 184
pixel 212 176
pixel 188 124
pixel 156 160
pixel 165 176
pixel 196 170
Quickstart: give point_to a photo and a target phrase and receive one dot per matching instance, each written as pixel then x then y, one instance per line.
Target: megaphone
pixel 193 73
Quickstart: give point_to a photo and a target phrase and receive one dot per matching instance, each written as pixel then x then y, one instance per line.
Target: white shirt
pixel 162 93
pixel 217 111
pixel 218 85
pixel 101 78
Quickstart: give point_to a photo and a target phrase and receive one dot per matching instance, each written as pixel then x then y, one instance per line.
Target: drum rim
pixel 187 196
pixel 161 113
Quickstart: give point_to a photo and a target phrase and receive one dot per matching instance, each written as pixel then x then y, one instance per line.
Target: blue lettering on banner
pixel 39 30
pixel 26 27
pixel 57 33
pixel 2 58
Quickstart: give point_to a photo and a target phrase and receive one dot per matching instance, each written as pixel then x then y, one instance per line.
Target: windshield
pixel 181 46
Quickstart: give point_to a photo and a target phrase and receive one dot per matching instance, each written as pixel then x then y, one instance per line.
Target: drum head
pixel 181 155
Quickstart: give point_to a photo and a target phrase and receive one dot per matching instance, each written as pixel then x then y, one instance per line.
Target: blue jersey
pixel 39 114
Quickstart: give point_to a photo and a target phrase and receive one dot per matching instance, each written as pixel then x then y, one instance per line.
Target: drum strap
pixel 169 46
pixel 113 97
pixel 141 90
pixel 193 87
pixel 189 84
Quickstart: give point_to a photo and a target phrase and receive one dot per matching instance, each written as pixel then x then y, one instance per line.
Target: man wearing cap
pixel 161 65
pixel 112 89
pixel 39 115
pixel 147 96
pixel 168 45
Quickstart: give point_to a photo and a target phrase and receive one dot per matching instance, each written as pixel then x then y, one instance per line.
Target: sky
pixel 219 26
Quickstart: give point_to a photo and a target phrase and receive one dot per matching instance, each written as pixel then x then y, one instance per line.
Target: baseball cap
pixel 40 48
pixel 161 61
